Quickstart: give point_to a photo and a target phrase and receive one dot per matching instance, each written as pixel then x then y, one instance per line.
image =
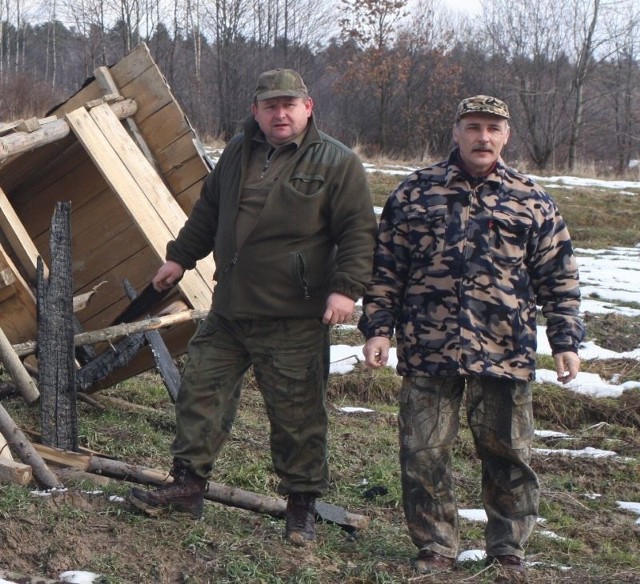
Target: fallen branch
pixel 14 473
pixel 9 576
pixel 119 330
pixel 16 369
pixel 217 492
pixel 21 446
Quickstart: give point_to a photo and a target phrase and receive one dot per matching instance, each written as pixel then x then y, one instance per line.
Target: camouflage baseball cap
pixel 482 104
pixel 280 83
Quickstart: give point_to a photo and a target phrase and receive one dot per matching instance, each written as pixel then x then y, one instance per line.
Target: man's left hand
pixel 567 366
pixel 339 309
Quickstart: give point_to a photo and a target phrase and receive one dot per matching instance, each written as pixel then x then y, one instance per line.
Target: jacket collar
pixel 455 172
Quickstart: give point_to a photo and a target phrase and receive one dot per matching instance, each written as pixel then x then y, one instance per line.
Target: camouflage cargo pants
pixel 290 359
pixel 500 416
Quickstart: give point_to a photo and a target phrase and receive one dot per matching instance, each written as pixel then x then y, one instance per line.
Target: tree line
pixel 385 75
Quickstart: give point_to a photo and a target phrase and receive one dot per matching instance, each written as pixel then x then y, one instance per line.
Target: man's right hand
pixel 167 276
pixel 376 352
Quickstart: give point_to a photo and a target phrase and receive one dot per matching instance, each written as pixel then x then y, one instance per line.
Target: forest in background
pixel 386 75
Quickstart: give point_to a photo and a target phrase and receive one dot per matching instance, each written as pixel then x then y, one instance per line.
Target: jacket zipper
pixel 232 263
pixel 301 268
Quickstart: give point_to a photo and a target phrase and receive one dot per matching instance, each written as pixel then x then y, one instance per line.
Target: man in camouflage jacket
pixel 466 249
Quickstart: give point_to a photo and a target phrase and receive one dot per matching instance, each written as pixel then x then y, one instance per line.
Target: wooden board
pixel 18 238
pixel 134 181
pixel 18 318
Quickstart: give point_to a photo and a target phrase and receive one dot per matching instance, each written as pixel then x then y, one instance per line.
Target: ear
pixel 254 109
pixel 455 133
pixel 309 106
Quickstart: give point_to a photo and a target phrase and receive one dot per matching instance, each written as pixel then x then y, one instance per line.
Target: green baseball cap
pixel 280 83
pixel 482 104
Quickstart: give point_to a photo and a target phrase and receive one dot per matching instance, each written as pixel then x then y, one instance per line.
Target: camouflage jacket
pixel 458 272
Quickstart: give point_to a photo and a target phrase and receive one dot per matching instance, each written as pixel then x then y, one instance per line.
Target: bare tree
pixel 377 66
pixel 585 19
pixel 531 37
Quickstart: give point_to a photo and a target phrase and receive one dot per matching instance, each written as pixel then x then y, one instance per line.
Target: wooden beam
pixel 16 369
pixel 112 332
pixel 52 131
pixel 18 237
pixel 26 452
pixel 110 87
pixel 15 473
pixel 164 361
pixel 134 180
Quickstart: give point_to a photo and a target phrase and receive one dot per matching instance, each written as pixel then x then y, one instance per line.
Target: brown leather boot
pixel 301 518
pixel 430 562
pixel 510 569
pixel 184 495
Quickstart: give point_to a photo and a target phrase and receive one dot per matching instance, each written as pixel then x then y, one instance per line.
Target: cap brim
pixel 280 93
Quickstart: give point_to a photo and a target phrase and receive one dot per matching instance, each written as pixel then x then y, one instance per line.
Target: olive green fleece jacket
pixel 314 236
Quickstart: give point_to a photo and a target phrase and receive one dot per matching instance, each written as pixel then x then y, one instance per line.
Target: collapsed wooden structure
pixel 124 155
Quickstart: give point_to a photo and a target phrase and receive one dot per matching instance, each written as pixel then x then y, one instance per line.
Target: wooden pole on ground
pixel 24 382
pixel 25 451
pixel 119 330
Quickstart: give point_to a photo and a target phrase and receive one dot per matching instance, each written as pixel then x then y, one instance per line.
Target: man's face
pixel 481 138
pixel 282 119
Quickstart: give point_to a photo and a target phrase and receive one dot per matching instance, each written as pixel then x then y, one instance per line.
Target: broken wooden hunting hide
pixel 125 157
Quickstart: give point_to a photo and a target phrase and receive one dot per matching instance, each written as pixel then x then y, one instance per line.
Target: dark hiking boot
pixel 301 519
pixel 510 569
pixel 184 495
pixel 429 562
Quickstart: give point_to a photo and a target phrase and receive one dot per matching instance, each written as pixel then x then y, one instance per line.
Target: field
pixel 586 537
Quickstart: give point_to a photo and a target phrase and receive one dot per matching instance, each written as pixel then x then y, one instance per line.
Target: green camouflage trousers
pixel 500 416
pixel 290 359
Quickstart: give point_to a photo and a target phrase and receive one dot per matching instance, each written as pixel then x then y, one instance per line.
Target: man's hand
pixel 567 366
pixel 167 276
pixel 339 309
pixel 376 352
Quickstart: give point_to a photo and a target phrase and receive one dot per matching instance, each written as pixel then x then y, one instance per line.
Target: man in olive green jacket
pixel 289 217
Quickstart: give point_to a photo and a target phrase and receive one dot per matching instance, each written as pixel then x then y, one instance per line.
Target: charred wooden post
pixel 105 363
pixel 56 359
pixel 161 355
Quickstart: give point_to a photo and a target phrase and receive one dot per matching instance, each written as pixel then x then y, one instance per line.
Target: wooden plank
pixel 128 68
pixel 102 150
pixel 131 66
pixel 166 126
pixel 18 316
pixel 79 186
pixel 187 198
pixel 34 171
pixel 154 190
pixel 18 238
pixel 153 86
pixel 190 173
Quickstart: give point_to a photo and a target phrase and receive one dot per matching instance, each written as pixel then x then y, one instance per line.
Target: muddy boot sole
pixel 139 500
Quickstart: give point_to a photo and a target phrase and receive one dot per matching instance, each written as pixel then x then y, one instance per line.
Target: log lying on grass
pixel 14 473
pixel 10 576
pixel 26 451
pixel 217 492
